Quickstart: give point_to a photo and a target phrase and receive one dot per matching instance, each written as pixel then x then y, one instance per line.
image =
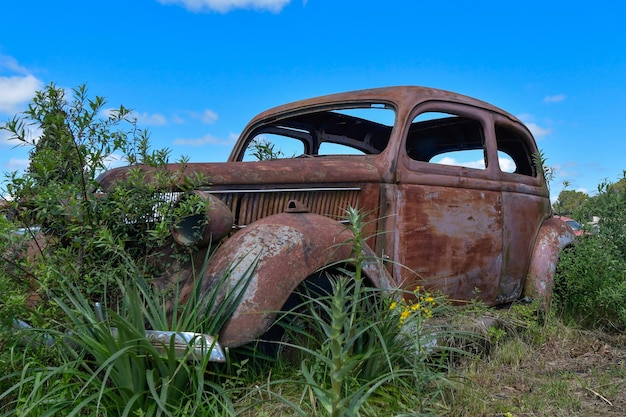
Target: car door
pixel 449 203
pixel 525 203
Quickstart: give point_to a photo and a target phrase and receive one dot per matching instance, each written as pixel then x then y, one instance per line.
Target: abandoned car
pixel 452 195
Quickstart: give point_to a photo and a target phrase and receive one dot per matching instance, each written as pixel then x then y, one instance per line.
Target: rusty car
pixel 453 198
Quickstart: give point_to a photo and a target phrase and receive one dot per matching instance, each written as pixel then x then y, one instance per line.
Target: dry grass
pixel 544 370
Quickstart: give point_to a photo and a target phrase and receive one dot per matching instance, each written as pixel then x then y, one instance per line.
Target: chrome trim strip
pixel 276 190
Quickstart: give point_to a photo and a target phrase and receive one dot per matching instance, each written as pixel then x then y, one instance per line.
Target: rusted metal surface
pixel 264 175
pixel 287 248
pixel 470 232
pixel 252 205
pixel 456 240
pixel 204 228
pixel 553 236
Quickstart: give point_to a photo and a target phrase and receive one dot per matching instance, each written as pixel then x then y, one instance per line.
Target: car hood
pixel 260 174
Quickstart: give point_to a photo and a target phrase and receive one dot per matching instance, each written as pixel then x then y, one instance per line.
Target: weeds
pixel 360 349
pixel 120 372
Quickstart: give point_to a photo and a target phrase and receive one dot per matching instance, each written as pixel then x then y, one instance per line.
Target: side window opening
pixel 447 139
pixel 513 151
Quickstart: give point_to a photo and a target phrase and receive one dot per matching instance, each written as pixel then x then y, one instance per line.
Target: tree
pixel 569 201
pixel 609 205
pixel 620 185
pixel 54 157
pixel 76 136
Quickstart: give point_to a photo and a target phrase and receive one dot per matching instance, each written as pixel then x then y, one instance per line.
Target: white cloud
pixel 506 164
pixel 537 130
pixel 209 116
pixel 224 6
pixel 16 164
pixel 16 90
pixel 4 137
pixel 155 119
pixel 12 65
pixel 478 164
pixel 554 99
pixel 31 133
pixel 177 119
pixel 205 140
pixel 114 160
pixel 534 128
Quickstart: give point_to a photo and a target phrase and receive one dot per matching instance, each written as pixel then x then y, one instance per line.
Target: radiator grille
pixel 249 206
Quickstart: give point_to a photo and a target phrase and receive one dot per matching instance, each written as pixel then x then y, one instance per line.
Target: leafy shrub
pixel 590 284
pixel 87 237
pixel 89 243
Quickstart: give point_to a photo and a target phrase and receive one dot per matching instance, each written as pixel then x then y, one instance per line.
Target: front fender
pixel 287 248
pixel 553 236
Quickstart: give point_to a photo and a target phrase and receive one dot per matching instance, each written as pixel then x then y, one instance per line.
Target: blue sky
pixel 195 71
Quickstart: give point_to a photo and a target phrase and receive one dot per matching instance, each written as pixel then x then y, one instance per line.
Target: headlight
pixel 203 228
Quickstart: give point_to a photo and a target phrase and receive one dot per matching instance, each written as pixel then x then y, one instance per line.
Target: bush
pixel 89 243
pixel 590 284
pixel 88 239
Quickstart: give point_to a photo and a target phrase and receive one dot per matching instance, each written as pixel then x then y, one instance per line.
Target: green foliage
pixel 75 139
pixel 541 165
pixel 107 366
pixel 91 242
pixel 590 285
pixel 263 150
pixel 620 185
pixel 569 201
pixel 88 234
pixel 609 205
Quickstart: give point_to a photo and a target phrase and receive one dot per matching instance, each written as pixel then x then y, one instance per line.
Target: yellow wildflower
pixel 405 315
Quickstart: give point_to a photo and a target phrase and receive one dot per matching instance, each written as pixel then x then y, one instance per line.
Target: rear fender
pixel 553 236
pixel 282 251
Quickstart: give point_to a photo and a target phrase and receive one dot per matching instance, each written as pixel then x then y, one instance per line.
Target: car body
pixel 576 227
pixel 452 197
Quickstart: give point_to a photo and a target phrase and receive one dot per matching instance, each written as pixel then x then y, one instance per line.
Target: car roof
pixel 392 94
